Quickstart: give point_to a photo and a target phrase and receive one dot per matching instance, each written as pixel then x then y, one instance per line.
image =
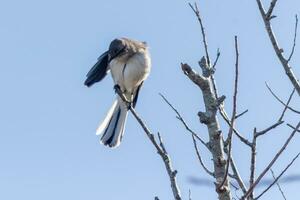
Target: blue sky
pixel 48 146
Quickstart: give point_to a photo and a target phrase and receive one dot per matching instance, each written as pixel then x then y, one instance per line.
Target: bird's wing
pixel 98 71
pixel 137 94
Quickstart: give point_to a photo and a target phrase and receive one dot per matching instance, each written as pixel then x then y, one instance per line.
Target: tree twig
pixel 260 133
pixel 253 161
pixel 197 13
pixel 286 105
pixel 278 99
pixel 233 111
pixel 271 8
pixel 251 188
pixel 294 128
pixel 241 114
pixel 159 147
pixel 279 122
pixel 237 176
pixel 200 159
pixel 278 185
pixel 278 177
pixel 180 118
pixel 217 58
pixel 295 39
pixel 279 52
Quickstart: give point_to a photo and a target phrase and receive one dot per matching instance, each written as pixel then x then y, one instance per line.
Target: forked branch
pixel 161 150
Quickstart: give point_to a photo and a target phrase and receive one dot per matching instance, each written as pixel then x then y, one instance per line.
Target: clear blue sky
pixel 48 146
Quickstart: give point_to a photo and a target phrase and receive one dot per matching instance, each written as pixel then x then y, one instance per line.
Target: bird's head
pixel 117 48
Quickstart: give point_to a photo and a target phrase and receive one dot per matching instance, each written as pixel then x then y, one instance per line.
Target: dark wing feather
pixel 136 95
pixel 98 71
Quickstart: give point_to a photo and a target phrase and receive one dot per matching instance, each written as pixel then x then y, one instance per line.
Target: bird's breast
pixel 129 74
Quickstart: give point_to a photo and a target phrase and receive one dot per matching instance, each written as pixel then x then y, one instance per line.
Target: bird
pixel 129 62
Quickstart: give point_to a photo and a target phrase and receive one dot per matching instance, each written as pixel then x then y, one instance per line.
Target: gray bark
pixel 209 118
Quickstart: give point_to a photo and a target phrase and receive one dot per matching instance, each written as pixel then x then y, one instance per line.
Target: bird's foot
pixel 117 89
pixel 129 105
pixel 120 93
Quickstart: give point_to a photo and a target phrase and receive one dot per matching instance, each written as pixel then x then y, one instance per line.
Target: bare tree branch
pixel 279 52
pixel 279 122
pixel 278 177
pixel 197 13
pixel 271 8
pixel 225 117
pixel 241 114
pixel 295 39
pixel 216 61
pixel 209 118
pixel 251 188
pixel 237 176
pixel 260 133
pixel 200 159
pixel 253 161
pixel 278 185
pixel 198 79
pixel 287 104
pixel 221 109
pixel 294 128
pixel 159 147
pixel 180 118
pixel 233 111
pixel 278 99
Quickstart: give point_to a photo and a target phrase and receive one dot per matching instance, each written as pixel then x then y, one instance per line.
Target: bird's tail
pixel 112 127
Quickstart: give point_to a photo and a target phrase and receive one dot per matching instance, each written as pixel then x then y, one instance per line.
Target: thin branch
pixel 279 122
pixel 278 185
pixel 295 39
pixel 260 133
pixel 241 114
pixel 279 52
pixel 278 99
pixel 226 118
pixel 200 159
pixel 224 115
pixel 197 13
pixel 159 147
pixel 233 111
pixel 161 144
pixel 253 161
pixel 251 188
pixel 217 58
pixel 294 128
pixel 237 176
pixel 180 118
pixel 286 105
pixel 271 8
pixel 278 177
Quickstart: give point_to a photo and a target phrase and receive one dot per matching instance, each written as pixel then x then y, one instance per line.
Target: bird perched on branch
pixel 129 63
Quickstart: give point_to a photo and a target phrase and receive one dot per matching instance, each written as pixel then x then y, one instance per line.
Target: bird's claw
pixel 119 92
pixel 117 88
pixel 129 105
